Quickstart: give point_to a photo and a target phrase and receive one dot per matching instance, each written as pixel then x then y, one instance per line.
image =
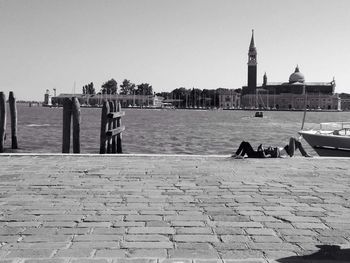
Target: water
pixel 167 131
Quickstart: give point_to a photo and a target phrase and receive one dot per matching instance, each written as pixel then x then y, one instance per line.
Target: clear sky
pixel 62 44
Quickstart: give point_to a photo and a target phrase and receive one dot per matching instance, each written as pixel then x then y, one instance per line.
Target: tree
pixel 89 89
pixel 181 94
pixel 127 88
pixel 144 89
pixel 164 94
pixel 195 97
pixel 109 87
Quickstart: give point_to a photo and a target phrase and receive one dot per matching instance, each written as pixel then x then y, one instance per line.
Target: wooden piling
pixel 109 127
pixel 114 125
pixel 67 113
pixel 13 114
pixel 119 136
pixel 2 121
pixel 105 111
pixel 76 124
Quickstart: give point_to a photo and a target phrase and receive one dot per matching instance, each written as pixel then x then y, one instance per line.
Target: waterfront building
pixel 293 94
pixel 345 101
pixel 126 101
pixel 229 99
pixel 47 98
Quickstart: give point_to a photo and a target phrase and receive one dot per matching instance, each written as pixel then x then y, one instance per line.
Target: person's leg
pixel 291 147
pixel 240 148
pixel 299 146
pixel 248 149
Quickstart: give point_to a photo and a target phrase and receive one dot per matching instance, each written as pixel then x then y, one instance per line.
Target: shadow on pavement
pixel 327 253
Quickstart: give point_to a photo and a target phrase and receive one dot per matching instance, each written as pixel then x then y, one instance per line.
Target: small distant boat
pixel 332 139
pixel 259 114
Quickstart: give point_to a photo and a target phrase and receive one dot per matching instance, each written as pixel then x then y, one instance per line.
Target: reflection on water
pixel 37 125
pixel 167 131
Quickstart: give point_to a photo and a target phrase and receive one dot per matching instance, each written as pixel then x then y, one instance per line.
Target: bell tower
pixel 252 64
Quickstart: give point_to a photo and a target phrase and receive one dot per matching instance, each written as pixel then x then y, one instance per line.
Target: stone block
pixel 47 260
pixel 93 237
pixel 30 253
pixel 95 244
pixel 194 246
pixel 135 260
pixel 157 224
pixel 128 224
pixel 175 260
pixel 228 231
pixel 195 238
pixel 131 245
pixel 74 252
pixel 147 238
pixel 261 231
pixel 188 223
pixel 299 239
pixel 310 225
pixel 148 253
pixel 151 230
pixel 110 253
pixel 108 231
pixel 207 261
pixel 194 230
pixel 90 260
pixel 242 255
pixel 191 254
pixel 264 239
pixel 143 218
pixel 230 246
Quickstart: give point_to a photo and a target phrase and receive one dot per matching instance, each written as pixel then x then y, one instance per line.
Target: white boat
pixel 332 139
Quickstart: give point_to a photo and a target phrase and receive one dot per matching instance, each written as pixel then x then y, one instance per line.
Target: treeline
pixel 181 97
pixel 126 88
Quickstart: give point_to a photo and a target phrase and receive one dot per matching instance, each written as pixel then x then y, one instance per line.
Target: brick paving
pixel 171 209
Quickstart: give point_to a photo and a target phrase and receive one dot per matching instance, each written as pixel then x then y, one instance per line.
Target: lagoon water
pixel 167 131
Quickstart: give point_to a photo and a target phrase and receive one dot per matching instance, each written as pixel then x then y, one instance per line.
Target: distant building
pixel 47 98
pixel 229 99
pixel 125 100
pixel 294 94
pixel 345 101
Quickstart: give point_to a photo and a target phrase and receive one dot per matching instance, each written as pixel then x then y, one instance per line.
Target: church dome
pixel 296 76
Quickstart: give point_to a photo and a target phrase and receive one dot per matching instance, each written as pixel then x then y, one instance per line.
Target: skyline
pixel 168 44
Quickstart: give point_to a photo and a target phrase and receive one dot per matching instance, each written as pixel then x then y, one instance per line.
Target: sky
pixel 65 44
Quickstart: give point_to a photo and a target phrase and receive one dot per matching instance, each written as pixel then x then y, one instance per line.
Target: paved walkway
pixel 152 209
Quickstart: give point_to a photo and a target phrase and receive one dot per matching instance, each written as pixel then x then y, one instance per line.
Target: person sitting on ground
pixel 271 152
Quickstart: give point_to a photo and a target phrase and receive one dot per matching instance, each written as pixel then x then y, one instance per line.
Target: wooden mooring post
pixel 76 125
pixel 71 110
pixel 111 128
pixel 13 114
pixel 2 121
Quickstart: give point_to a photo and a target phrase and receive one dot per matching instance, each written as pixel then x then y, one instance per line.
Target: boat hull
pixel 327 144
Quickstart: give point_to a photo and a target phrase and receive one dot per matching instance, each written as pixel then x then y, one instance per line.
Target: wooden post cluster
pixel 13 115
pixel 71 110
pixel 111 128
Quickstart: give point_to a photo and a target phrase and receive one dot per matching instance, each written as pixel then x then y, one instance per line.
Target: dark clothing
pixel 271 152
pixel 245 148
pixel 294 144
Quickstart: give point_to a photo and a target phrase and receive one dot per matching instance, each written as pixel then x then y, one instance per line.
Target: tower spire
pixel 252 64
pixel 252 44
pixel 265 79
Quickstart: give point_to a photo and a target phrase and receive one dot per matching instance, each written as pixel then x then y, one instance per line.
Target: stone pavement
pixel 153 209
